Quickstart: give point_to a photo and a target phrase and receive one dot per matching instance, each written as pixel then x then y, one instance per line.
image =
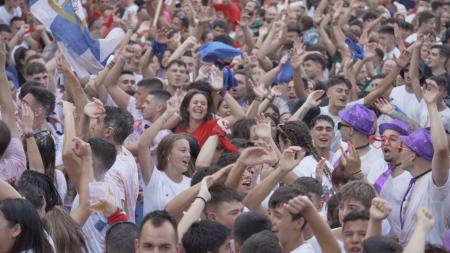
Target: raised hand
pixel 351 161
pixel 299 204
pixel 255 155
pixel 27 118
pixel 204 188
pixel 291 157
pixel 404 59
pixel 61 64
pixel 263 127
pixel 216 78
pixel 258 89
pixel 424 219
pixel 369 49
pixel 81 148
pixel 380 209
pixel 384 105
pixel 173 104
pixel 276 91
pixel 430 92
pixel 319 170
pixel 94 109
pixel 314 98
pixel 3 54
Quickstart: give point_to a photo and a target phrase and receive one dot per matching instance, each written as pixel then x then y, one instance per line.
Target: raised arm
pixel 206 154
pixel 7 191
pixel 379 211
pixel 71 161
pixel 320 229
pixel 195 211
pixel 401 62
pixel 313 100
pixel 147 164
pixel 6 101
pixel 33 154
pixel 120 97
pixel 414 68
pixel 83 151
pixel 440 163
pixel 424 224
pixel 290 159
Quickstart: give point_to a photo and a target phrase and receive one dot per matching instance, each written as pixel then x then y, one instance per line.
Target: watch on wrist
pixel 29 135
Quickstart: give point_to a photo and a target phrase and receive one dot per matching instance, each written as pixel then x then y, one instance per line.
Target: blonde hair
pixel 65 232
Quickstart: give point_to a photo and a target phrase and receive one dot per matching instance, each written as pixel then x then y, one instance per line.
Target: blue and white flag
pixel 65 19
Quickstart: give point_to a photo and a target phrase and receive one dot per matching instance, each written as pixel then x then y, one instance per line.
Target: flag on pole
pixel 65 19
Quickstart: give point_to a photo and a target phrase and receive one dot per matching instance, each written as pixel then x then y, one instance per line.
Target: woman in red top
pixel 197 118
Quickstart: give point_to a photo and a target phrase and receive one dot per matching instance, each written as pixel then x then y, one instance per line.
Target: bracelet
pixel 355 173
pixel 259 99
pixel 116 217
pixel 204 200
pixel 29 135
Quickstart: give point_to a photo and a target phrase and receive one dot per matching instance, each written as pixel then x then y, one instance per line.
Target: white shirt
pixel 406 102
pixel 96 225
pixel 5 16
pixel 131 107
pixel 161 189
pixel 425 119
pixel 124 175
pixel 425 194
pixel 307 168
pixel 61 184
pixel 394 53
pixel 317 249
pixel 393 191
pixel 304 248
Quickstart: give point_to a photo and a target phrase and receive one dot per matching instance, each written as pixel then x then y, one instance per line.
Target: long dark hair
pixel 44 183
pixel 32 235
pixel 185 105
pixel 47 150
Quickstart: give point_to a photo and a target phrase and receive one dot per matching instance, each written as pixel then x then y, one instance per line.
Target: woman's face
pixel 224 110
pixel 180 155
pixel 248 179
pixel 9 234
pixel 198 107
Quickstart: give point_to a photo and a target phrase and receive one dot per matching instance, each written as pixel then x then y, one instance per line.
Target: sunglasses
pixel 379 141
pixel 340 125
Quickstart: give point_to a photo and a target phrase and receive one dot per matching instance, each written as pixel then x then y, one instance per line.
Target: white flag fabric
pixel 66 21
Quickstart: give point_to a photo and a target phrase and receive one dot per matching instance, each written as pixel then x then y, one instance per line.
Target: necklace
pixel 363 146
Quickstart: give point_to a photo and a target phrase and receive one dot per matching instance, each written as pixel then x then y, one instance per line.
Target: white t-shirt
pixel 131 107
pixel 425 194
pixel 124 175
pixel 315 244
pixel 372 163
pixel 161 189
pixel 425 119
pixel 393 191
pixel 406 102
pixel 5 16
pixel 304 248
pixel 394 53
pixel 61 184
pixel 307 168
pixel 96 225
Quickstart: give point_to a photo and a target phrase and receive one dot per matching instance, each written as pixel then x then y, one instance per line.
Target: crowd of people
pixel 222 126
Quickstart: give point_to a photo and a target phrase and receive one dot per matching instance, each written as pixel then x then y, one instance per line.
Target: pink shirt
pixel 13 162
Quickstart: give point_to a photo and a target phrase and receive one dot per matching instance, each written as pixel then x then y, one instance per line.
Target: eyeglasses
pixel 379 141
pixel 340 125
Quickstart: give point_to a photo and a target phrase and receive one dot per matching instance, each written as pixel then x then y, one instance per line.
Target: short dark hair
pixel 359 191
pixel 200 85
pixel 157 219
pixel 282 195
pixel 375 244
pixel 387 29
pixel 151 83
pixel 220 23
pixel 339 80
pixel 444 51
pixel 5 139
pixel 262 242
pixel 120 237
pixel 221 194
pixel 5 28
pixel 241 128
pixel 424 16
pixel 321 117
pixel 355 215
pixel 127 72
pixel 176 62
pixel 308 185
pixel 160 94
pixel 203 172
pixel 315 57
pixel 14 19
pixel 43 96
pixel 227 158
pixel 248 224
pixel 103 152
pixel 121 121
pixel 35 68
pixel 205 236
pixel 370 15
pixel 224 38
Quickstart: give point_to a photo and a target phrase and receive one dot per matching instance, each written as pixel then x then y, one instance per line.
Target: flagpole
pixel 158 12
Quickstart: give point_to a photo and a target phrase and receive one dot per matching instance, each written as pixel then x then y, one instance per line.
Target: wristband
pixel 29 135
pixel 116 217
pixel 204 200
pixel 259 99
